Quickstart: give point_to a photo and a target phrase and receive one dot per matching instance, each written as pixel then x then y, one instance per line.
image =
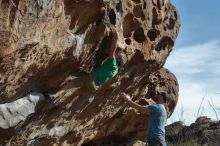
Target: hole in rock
pixel 165 42
pixel 159 4
pixel 145 5
pixel 136 1
pixel 119 6
pixel 162 84
pixel 139 35
pixel 171 24
pixel 112 17
pixel 128 41
pixel 153 34
pixel 165 9
pixel 164 28
pixel 165 19
pixel 175 14
pixel 138 12
pixel 156 20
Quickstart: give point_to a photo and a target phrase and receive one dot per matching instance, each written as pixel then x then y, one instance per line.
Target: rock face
pixel 204 131
pixel 14 112
pixel 44 44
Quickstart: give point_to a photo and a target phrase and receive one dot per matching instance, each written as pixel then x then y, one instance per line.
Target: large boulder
pixel 44 45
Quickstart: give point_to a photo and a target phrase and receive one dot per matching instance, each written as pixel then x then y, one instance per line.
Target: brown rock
pixel 204 131
pixel 43 46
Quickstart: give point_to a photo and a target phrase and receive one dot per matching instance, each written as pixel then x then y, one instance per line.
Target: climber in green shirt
pixel 107 70
pixel 111 65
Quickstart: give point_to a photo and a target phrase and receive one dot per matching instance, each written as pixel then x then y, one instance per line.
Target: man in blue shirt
pixel 157 118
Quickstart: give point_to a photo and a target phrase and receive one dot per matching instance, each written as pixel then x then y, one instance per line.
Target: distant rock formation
pixel 45 44
pixel 204 131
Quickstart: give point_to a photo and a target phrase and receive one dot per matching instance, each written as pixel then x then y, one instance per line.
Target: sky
pixel 195 60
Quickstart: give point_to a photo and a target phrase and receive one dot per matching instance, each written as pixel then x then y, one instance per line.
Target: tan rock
pixel 43 46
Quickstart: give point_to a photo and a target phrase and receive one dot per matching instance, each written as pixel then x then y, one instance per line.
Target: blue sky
pixel 195 60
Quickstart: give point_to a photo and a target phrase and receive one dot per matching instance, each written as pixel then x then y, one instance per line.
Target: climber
pixel 157 117
pixel 107 70
pixel 110 67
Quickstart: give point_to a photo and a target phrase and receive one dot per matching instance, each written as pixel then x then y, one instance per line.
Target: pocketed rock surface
pixel 45 44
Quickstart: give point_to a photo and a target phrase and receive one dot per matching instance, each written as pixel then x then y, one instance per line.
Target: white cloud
pixel 198 72
pixel 195 59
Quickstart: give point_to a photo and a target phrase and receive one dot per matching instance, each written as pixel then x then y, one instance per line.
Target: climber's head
pixel 121 58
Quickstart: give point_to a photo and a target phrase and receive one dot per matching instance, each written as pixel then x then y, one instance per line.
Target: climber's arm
pixel 140 108
pixel 113 46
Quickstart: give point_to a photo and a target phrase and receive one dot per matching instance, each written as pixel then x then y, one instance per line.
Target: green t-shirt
pixel 105 71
